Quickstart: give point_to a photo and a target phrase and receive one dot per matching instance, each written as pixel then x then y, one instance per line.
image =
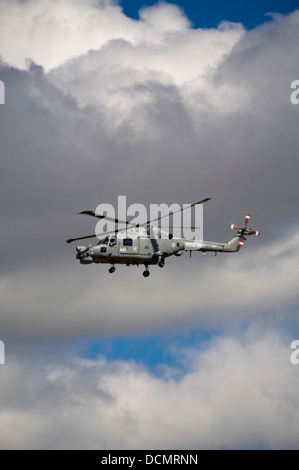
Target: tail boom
pixel 215 247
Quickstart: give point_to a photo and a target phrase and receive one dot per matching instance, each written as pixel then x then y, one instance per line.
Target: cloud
pixel 237 393
pixel 52 33
pixel 154 139
pixel 206 292
pixel 99 105
pixel 60 156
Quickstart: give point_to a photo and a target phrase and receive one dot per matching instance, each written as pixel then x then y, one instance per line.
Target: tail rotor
pixel 244 232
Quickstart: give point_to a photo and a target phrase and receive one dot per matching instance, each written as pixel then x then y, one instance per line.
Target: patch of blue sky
pixel 208 14
pixel 291 325
pixel 161 353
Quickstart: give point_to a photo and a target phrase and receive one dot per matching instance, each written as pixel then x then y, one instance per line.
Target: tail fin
pixel 233 245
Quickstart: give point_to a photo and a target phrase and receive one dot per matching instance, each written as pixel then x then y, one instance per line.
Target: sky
pixel 161 102
pixel 208 14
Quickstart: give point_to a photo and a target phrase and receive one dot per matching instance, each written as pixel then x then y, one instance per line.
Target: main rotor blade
pixel 71 240
pixel 180 210
pixel 117 221
pixel 182 227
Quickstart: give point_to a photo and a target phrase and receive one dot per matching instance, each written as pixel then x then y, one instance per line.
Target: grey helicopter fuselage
pixel 147 246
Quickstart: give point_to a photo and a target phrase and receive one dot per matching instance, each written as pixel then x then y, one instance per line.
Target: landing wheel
pixel 112 270
pixel 146 273
pixel 161 264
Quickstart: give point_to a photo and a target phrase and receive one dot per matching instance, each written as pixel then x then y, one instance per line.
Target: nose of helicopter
pixel 83 255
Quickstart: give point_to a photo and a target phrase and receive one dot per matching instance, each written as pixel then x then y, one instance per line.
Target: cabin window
pixel 128 242
pixel 103 249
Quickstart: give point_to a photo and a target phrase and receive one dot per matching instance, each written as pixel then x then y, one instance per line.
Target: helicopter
pixel 145 244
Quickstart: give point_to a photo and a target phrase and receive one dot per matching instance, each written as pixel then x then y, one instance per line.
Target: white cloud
pixel 103 54
pixel 124 77
pixel 52 32
pixel 164 17
pixel 238 393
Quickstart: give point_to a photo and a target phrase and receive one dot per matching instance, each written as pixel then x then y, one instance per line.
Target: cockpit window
pixel 104 241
